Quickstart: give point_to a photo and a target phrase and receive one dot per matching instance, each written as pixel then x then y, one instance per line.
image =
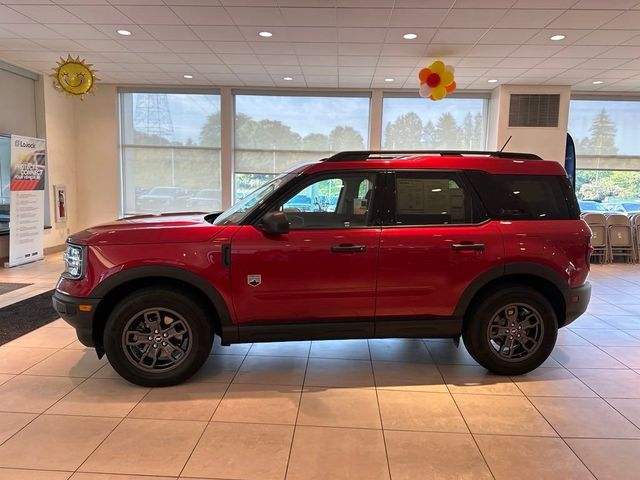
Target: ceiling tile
pixel 527 18
pixel 200 58
pixel 161 57
pixel 395 35
pixel 172 32
pixel 359 49
pixel 60 45
pixel 543 37
pixel 603 63
pixel 583 18
pixel 483 4
pixel 101 14
pixel 76 31
pixel 356 71
pixel 252 69
pixel 230 47
pixel 582 51
pixel 404 49
pixel 439 50
pixel 555 62
pixel 309 17
pixel 607 37
pixel 621 52
pixel 315 48
pixel 18 44
pixel 472 17
pixel 626 21
pixel 458 35
pixel 280 34
pixel 151 15
pixel 284 69
pixel 539 51
pixel 393 72
pixel 173 67
pixel 278 59
pixel 42 13
pixel 203 15
pixel 238 59
pixel 361 81
pixel 211 32
pixel 417 17
pixel 519 62
pixel 509 36
pixel 256 16
pixel 111 31
pixel 397 61
pixel 609 4
pixel 145 46
pixel 208 68
pixel 356 61
pixel 361 35
pixel 179 46
pixel 103 46
pixel 30 30
pixel 491 50
pixel 318 60
pixel 480 62
pixel 128 57
pixel 7 15
pixel 312 34
pixel 273 48
pixel 363 17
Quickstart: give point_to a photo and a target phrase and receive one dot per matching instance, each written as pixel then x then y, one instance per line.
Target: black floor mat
pixel 25 316
pixel 10 287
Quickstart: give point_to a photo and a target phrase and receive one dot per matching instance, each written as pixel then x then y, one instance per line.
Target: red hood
pixel 167 228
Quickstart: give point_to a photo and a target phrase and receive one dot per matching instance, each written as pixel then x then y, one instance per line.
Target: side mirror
pixel 274 223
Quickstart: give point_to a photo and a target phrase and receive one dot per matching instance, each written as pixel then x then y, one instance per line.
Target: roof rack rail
pixel 361 155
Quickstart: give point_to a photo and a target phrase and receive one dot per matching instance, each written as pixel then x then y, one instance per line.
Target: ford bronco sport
pixel 484 245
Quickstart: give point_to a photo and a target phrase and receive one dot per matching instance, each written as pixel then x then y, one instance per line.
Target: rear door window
pixel 526 197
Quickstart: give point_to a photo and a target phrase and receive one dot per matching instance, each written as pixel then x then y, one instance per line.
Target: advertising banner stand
pixel 26 221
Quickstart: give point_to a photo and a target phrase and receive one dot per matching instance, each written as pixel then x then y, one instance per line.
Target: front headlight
pixel 73 262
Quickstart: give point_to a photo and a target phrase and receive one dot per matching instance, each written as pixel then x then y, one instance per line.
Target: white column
pixel 226 146
pixel 375 120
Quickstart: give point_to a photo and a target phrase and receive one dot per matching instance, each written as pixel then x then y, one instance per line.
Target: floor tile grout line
pixel 384 436
pixel 295 424
pixel 475 441
pixel 195 445
pixel 558 434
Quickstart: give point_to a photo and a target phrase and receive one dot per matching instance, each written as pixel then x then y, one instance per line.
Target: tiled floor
pixel 399 409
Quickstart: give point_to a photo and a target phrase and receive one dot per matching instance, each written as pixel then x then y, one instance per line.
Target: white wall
pixel 547 142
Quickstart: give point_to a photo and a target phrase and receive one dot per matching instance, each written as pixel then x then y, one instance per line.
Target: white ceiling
pixel 331 43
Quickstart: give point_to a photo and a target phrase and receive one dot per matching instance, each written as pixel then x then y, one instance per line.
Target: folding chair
pixel 598 225
pixel 620 238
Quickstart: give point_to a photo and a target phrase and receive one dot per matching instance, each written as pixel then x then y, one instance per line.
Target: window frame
pixel 478 209
pixel 122 146
pixel 374 215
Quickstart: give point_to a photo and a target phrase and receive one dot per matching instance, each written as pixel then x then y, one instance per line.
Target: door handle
pixel 467 246
pixel 348 248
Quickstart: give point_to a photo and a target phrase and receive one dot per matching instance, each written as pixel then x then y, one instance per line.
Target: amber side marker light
pixel 85 308
pixel 575 299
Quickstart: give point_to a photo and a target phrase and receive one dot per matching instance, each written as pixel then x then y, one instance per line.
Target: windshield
pixel 240 210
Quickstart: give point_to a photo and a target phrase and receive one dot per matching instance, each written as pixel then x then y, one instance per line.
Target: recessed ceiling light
pixel 557 38
pixel 389 80
pixel 410 36
pixel 265 34
pixel 288 79
pixel 126 33
pixel 187 76
pixel 493 80
pixel 597 82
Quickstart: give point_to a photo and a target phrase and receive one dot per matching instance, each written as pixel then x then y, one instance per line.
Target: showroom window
pixel 170 152
pixel 276 132
pixel 605 133
pixel 413 122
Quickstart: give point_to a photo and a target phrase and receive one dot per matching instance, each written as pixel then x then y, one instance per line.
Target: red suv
pixel 484 245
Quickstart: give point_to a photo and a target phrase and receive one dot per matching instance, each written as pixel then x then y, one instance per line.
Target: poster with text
pixel 26 221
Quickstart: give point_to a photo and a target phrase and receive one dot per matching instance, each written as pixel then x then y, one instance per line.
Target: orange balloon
pixel 423 74
pixel 451 87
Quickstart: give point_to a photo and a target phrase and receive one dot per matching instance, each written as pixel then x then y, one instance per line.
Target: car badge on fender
pixel 254 280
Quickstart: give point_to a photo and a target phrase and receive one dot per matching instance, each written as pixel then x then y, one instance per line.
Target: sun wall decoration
pixel 74 76
pixel 437 80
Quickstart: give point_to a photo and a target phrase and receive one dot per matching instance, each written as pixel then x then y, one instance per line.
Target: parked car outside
pixel 591 206
pixel 627 208
pixel 485 246
pixel 206 200
pixel 162 199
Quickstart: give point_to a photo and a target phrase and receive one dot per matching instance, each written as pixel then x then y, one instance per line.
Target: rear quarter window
pixel 526 197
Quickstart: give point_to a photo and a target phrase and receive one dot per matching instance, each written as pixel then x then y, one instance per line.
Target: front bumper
pixel 576 301
pixel 69 308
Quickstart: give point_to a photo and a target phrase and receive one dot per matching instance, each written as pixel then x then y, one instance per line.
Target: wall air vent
pixel 533 110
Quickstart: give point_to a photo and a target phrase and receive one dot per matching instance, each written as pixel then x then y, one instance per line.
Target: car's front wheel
pixel 157 337
pixel 511 330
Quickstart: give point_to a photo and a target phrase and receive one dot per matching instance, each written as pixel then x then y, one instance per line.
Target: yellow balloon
pixel 439 92
pixel 437 67
pixel 446 78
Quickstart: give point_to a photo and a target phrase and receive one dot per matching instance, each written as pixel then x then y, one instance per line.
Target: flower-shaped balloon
pixel 437 80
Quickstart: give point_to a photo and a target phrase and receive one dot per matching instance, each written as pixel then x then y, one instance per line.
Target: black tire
pixel 139 356
pixel 510 305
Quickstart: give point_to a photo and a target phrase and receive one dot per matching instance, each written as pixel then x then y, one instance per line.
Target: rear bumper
pixel 68 308
pixel 576 300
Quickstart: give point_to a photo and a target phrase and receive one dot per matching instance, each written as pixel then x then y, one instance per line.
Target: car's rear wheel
pixel 157 337
pixel 511 330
